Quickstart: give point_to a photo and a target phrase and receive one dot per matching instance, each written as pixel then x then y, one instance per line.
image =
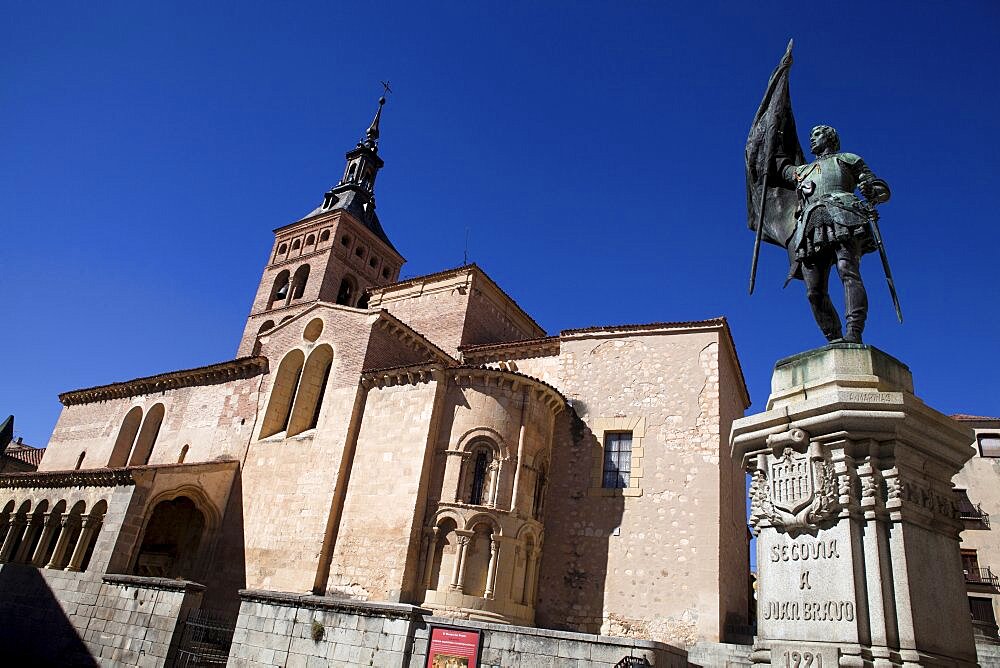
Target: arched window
pixel 299 281
pixel 324 236
pixel 183 455
pixel 477 560
pixel 312 387
pixel 345 295
pixel 126 437
pixel 296 244
pixel 481 467
pixel 268 324
pixel 386 272
pixel 79 461
pixel 279 406
pixel 282 249
pixel 310 240
pixel 363 300
pixel 147 436
pixel 279 290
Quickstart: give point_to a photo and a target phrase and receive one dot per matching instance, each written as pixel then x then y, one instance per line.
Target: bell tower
pixel 333 254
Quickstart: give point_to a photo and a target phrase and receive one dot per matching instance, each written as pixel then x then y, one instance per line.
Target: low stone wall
pixel 52 617
pixel 296 631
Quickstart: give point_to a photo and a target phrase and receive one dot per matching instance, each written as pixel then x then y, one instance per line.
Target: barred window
pixel 617 459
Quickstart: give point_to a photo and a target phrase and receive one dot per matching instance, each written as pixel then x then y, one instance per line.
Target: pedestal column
pixel 69 526
pixel 52 524
pixel 90 527
pixel 855 517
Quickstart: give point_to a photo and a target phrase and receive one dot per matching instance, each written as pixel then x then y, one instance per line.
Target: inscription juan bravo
pixel 808 611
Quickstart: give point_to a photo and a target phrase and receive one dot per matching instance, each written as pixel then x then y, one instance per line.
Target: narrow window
pixel 310 240
pixel 373 262
pixel 363 300
pixel 183 455
pixel 539 492
pixel 309 398
pixel 296 244
pixel 479 478
pixel 299 281
pixel 359 251
pixel 79 460
pixel 324 236
pixel 989 445
pixel 286 382
pixel 346 292
pixel 279 290
pixel 345 240
pixel 282 249
pixel 126 437
pixel 386 272
pixel 617 459
pixel 268 325
pixel 147 436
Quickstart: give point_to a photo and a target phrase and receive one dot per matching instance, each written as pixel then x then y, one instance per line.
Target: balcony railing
pixel 983 577
pixel 974 514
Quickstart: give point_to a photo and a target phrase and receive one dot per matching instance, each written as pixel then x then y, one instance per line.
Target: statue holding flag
pixel 811 210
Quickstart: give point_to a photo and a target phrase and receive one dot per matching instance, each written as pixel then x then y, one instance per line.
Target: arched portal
pixel 171 540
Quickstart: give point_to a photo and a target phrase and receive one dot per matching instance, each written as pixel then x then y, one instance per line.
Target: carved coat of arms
pixel 796 492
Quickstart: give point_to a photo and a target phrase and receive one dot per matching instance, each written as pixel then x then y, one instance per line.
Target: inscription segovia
pixel 821 549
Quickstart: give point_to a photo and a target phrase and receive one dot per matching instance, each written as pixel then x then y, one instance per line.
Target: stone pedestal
pixel 856 522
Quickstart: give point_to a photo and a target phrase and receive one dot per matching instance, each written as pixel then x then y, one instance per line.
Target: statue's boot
pixel 855 295
pixel 826 315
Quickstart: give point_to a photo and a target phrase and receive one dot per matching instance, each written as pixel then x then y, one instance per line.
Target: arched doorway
pixel 171 540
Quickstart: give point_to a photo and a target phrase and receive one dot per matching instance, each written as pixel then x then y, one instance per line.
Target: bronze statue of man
pixel 811 209
pixel 832 227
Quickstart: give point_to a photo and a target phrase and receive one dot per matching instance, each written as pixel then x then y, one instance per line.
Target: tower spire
pixel 372 133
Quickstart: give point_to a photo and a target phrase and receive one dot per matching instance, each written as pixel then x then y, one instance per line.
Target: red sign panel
pixel 453 648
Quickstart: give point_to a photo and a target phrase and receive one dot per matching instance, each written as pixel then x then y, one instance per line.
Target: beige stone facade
pixel 417 442
pixel 978 487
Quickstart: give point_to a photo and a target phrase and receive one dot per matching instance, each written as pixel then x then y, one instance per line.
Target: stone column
pixel 458 574
pixel 16 530
pixel 90 527
pixel 494 483
pixel 856 521
pixel 30 526
pixel 49 529
pixel 431 551
pixel 70 523
pixel 491 571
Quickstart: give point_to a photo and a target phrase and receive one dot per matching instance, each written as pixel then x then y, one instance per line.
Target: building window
pixel 310 240
pixel 296 244
pixel 479 478
pixel 617 459
pixel 144 443
pixel 299 281
pixel 324 236
pixel 345 295
pixel 982 611
pixel 989 445
pixel 286 383
pixel 279 290
pixel 311 388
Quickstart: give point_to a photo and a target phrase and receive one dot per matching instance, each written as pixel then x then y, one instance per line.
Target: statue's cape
pixel 772 144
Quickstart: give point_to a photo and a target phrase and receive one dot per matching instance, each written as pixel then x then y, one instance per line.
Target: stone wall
pixel 62 618
pixel 299 631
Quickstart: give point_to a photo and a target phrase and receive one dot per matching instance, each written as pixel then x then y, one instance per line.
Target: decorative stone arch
pixel 17 527
pixel 32 532
pixel 442 552
pixel 527 558
pixel 126 437
pixel 465 441
pixel 282 393
pixel 478 519
pixel 49 534
pixel 176 534
pixel 146 439
pixel 5 518
pixel 315 377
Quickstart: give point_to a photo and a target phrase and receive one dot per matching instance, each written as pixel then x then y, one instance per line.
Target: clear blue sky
pixel 594 151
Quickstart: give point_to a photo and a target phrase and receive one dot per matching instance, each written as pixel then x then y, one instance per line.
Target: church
pixel 384 457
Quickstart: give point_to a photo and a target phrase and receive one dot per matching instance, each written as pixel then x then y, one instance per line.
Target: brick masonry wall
pixel 214 421
pixel 301 631
pixel 61 618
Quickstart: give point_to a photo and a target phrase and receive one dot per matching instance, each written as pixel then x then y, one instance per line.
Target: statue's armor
pixel 829 212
